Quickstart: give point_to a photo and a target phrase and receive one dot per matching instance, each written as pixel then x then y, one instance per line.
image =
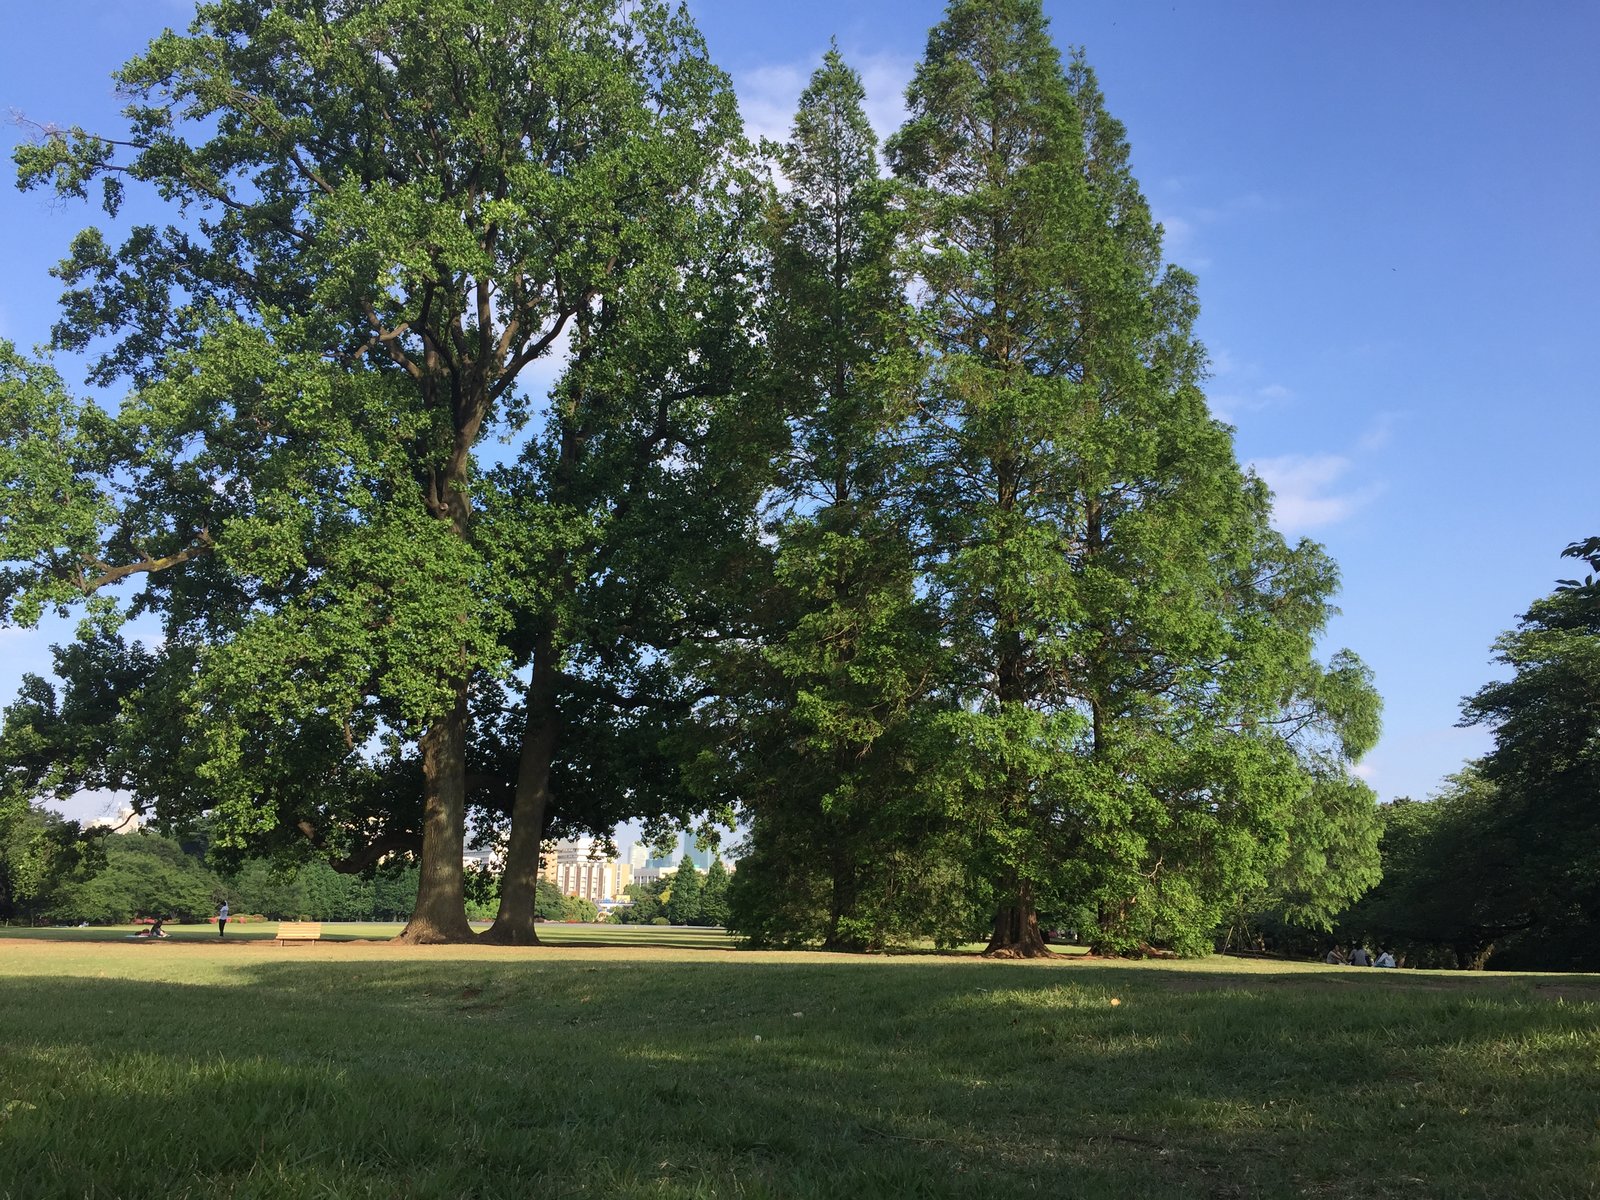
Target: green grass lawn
pixel 556 933
pixel 683 1068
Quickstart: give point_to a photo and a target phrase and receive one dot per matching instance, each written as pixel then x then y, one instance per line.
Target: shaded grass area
pixel 367 1070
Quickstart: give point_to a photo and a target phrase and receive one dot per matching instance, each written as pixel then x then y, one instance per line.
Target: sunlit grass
pixel 644 1068
pixel 556 933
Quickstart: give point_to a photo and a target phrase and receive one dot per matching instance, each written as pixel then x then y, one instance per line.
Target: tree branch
pixel 106 574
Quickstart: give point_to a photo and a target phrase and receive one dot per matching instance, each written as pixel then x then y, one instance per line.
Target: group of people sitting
pixel 1358 957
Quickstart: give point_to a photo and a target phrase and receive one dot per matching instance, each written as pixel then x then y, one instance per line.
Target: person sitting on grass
pixel 1385 959
pixel 1359 956
pixel 1335 958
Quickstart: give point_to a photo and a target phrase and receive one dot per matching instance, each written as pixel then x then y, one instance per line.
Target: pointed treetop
pixel 831 141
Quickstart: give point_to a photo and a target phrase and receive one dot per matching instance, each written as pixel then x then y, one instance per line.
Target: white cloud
pixel 769 94
pixel 1226 406
pixel 1309 491
pixel 767 97
pixel 1177 230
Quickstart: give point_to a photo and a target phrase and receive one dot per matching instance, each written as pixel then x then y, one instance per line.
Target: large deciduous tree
pixel 1141 713
pixel 1452 886
pixel 1503 864
pixel 1545 770
pixel 381 221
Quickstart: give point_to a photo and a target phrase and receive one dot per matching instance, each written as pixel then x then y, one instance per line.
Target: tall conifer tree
pixel 825 708
pixel 1133 639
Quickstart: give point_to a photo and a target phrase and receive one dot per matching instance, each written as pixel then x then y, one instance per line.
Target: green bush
pixel 576 908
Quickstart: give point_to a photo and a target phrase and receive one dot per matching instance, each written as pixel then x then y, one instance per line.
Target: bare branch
pixel 101 573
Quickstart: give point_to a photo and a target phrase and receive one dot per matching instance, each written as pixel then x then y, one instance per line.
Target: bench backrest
pixel 299 930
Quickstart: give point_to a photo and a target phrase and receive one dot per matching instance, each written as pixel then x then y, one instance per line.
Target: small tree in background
pixel 683 900
pixel 579 908
pixel 714 896
pixel 550 904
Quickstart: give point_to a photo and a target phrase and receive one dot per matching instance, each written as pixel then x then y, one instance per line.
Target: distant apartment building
pixel 126 821
pixel 576 868
pixel 481 860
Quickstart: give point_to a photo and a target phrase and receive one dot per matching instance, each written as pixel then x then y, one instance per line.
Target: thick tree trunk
pixel 519 882
pixel 440 914
pixel 1016 931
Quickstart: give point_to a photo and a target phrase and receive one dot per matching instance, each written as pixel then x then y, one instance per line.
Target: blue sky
pixel 1392 210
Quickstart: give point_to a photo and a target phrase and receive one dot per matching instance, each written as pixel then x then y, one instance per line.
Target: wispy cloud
pixel 1180 240
pixel 1238 388
pixel 1381 432
pixel 1183 222
pixel 1313 491
pixel 767 97
pixel 768 94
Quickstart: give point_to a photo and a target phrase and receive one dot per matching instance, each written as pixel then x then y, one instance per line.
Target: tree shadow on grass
pixel 589 1077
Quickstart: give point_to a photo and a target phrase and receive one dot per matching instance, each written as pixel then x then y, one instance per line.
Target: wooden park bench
pixel 299 931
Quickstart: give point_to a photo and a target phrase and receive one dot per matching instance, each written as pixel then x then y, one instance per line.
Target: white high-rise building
pixel 576 868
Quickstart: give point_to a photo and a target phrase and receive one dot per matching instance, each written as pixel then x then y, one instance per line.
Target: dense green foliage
pixel 41 855
pixel 1501 866
pixel 885 513
pixel 142 875
pixel 823 729
pixel 1062 661
pixel 682 897
pixel 379 226
pixel 714 896
pixel 647 903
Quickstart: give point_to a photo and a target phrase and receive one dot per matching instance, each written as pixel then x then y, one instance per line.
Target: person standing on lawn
pixel 222 918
